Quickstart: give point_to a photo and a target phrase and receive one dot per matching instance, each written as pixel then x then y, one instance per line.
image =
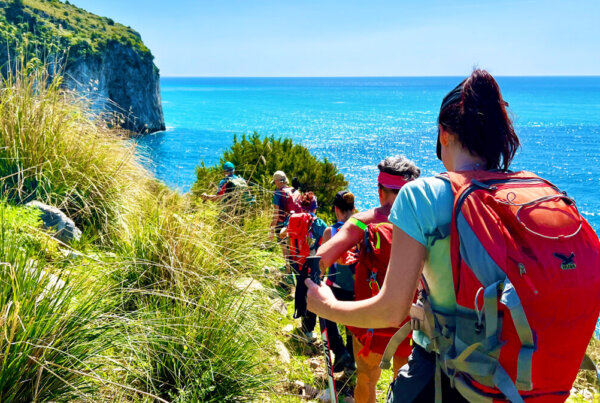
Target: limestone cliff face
pixel 120 79
pixel 106 61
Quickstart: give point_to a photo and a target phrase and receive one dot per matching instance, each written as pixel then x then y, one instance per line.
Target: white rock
pixel 282 352
pixel 248 284
pixel 278 305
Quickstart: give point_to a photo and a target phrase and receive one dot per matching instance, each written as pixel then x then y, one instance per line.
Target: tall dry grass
pixel 150 309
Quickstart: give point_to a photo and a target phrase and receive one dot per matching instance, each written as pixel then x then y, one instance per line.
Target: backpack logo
pixel 567 261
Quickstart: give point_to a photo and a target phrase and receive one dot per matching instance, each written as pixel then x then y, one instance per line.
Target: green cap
pixel 228 166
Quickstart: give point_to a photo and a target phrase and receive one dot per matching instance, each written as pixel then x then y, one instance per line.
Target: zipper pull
pixel 525 278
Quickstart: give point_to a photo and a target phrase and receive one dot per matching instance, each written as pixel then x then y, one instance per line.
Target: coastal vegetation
pixel 256 158
pixel 55 27
pixel 153 302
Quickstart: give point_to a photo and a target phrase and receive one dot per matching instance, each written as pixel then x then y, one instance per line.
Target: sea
pixel 357 121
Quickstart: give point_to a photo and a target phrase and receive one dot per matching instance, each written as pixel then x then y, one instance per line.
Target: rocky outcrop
pixel 102 59
pixel 119 79
pixel 56 220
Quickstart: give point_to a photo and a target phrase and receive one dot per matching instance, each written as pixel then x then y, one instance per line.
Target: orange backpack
pixel 298 232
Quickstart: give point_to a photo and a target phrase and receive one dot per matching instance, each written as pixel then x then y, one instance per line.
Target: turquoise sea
pixel 356 122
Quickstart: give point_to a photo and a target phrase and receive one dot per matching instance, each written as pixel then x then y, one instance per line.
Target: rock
pixel 306 391
pixel 248 284
pixel 315 362
pixel 282 352
pixel 279 306
pixel 52 283
pixel 124 80
pixel 53 218
pixel 71 254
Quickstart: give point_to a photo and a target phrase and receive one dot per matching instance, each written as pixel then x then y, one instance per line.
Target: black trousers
pixel 416 381
pixel 336 342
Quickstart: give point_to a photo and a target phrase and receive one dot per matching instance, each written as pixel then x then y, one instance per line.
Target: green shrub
pixel 256 159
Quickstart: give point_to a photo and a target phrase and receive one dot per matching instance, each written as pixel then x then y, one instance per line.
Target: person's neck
pixel 468 162
pixel 388 199
pixel 343 217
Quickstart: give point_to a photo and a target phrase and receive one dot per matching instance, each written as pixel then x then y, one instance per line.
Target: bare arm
pixel 205 196
pixel 348 236
pixel 326 236
pixel 388 308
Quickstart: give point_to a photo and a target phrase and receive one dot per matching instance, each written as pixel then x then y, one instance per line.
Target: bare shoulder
pixel 365 216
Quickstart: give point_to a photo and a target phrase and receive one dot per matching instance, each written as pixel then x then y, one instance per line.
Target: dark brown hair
pixel 344 200
pixel 476 113
pixel 308 201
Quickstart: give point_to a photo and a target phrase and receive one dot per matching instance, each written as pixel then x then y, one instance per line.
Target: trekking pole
pixel 312 264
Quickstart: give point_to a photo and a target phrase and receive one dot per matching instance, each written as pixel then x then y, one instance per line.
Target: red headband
pixel 391 181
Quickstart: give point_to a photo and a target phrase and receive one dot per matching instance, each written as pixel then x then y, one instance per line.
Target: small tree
pixel 256 159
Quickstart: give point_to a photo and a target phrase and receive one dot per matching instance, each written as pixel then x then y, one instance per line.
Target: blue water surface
pixel 356 122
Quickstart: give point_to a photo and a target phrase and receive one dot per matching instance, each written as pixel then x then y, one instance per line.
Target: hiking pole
pixel 312 264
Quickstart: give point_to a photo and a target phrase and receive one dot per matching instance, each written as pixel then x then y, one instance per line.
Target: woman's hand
pixel 390 307
pixel 319 298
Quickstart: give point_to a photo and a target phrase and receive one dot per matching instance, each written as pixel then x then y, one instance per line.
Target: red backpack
pixel 293 198
pixel 298 231
pixel 526 274
pixel 373 259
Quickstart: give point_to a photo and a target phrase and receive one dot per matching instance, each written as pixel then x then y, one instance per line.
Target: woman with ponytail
pixel 474 133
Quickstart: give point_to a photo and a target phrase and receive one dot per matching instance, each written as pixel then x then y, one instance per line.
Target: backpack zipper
pixel 488 185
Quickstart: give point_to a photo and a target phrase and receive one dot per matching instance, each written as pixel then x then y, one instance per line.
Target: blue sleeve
pixel 422 208
pixel 276 197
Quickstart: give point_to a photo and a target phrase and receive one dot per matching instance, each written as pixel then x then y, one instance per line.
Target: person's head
pixel 309 202
pixel 295 183
pixel 394 172
pixel 343 204
pixel 475 114
pixel 280 179
pixel 228 168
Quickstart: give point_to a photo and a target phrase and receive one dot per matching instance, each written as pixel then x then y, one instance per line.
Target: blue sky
pixel 363 38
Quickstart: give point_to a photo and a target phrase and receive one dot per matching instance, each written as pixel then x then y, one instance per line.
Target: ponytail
pixel 476 113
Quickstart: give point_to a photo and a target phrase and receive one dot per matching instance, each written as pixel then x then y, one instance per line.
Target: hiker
pixel 304 232
pixel 230 184
pixel 507 318
pixel 340 278
pixel 394 172
pixel 285 201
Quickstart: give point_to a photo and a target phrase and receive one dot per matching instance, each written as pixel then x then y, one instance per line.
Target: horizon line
pixel 391 76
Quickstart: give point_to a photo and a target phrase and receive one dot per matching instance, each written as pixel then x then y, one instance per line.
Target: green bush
pixel 256 159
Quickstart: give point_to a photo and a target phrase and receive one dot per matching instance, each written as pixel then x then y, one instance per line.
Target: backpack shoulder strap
pixel 358 223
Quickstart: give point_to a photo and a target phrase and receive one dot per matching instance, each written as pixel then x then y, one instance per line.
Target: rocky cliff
pixel 104 60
